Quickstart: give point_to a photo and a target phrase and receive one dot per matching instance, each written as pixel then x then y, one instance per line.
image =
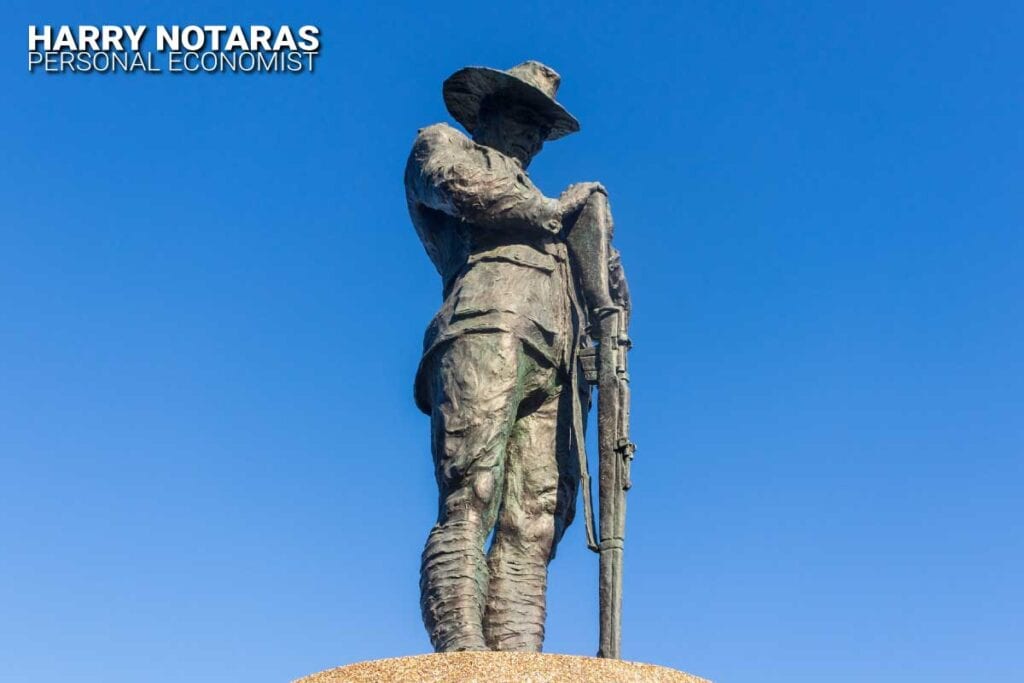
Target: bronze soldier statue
pixel 499 374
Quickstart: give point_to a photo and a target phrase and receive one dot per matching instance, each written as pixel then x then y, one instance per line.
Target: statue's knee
pixel 545 502
pixel 483 488
pixel 535 524
pixel 541 533
pixel 474 496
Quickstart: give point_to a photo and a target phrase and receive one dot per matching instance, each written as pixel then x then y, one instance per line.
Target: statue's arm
pixel 448 173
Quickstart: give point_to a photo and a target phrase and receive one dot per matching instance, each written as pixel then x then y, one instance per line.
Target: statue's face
pixel 512 128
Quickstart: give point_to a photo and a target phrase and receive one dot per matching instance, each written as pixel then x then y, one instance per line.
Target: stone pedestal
pixel 500 667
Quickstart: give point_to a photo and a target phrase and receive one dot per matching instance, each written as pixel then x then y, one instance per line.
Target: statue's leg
pixel 476 388
pixel 538 505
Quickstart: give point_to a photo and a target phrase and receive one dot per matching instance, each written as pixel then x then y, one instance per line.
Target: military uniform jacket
pixel 493 237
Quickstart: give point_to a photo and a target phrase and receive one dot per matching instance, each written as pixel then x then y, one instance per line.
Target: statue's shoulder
pixel 439 137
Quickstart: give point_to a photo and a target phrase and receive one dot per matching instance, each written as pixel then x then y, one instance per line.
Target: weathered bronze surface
pixel 530 283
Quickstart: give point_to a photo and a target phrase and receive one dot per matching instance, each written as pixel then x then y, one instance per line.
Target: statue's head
pixel 513 111
pixel 511 127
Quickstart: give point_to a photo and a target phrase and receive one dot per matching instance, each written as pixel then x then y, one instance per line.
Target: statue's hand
pixel 576 195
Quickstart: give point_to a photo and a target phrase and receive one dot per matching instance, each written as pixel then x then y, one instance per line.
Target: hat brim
pixel 465 89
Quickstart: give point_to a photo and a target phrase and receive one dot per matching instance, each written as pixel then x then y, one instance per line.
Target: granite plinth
pixel 500 667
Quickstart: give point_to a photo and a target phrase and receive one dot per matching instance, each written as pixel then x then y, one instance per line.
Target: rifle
pixel 607 302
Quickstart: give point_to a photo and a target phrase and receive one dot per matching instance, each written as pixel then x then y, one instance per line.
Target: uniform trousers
pixel 501 420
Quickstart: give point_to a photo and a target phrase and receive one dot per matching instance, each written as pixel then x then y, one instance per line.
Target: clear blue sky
pixel 212 300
